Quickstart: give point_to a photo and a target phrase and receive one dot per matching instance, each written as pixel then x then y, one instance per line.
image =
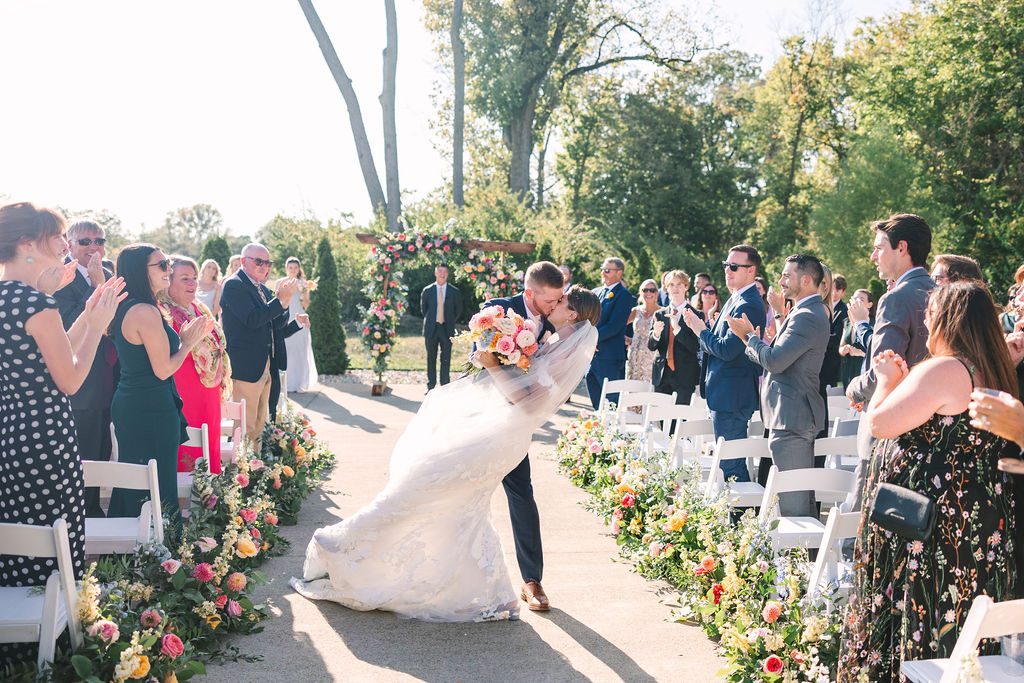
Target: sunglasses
pixel 98 241
pixel 736 266
pixel 709 291
pixel 261 262
pixel 162 265
pixel 609 270
pixel 648 290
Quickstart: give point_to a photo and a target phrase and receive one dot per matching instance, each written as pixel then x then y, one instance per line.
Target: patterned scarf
pixel 210 355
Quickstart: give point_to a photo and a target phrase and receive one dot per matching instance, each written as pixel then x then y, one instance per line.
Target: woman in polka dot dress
pixel 40 365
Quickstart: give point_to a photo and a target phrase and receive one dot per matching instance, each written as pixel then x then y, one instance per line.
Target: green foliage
pixel 217 248
pixel 185 229
pixel 325 315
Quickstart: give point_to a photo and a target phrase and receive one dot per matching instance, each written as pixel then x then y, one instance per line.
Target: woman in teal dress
pixel 146 410
pixel 912 597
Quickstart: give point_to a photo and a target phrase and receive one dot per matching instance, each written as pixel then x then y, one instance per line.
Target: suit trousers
pixel 438 339
pixel 522 509
pixel 92 426
pixel 600 370
pixel 257 400
pixel 731 426
pixel 275 390
pixel 865 444
pixel 794 450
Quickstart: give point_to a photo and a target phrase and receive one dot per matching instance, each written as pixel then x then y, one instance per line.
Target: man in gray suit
pixel 441 305
pixel 901 247
pixel 791 404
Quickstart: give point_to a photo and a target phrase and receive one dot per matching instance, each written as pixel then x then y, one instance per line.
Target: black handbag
pixel 904 512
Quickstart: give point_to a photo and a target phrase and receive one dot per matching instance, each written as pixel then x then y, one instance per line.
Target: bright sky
pixel 142 108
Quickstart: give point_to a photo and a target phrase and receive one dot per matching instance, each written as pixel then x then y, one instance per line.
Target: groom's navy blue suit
pixel 518 487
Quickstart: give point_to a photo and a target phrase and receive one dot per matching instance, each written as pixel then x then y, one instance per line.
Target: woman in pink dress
pixel 204 380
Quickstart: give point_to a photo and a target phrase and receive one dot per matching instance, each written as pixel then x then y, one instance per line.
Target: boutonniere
pixel 611 295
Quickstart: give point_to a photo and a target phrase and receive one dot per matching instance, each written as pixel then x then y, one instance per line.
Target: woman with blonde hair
pixel 640 359
pixel 208 286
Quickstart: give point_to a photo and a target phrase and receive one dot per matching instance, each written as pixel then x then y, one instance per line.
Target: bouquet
pixel 506 334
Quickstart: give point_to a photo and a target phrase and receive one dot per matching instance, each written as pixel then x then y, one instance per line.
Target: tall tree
pixel 459 108
pixel 328 335
pixel 185 229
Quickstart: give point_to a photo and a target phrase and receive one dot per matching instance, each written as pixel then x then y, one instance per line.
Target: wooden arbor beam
pixel 483 245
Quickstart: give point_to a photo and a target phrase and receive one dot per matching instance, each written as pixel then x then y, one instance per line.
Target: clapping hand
pixel 303 320
pixel 1015 343
pixel 102 303
pixel 194 330
pixel 286 288
pixel 1000 414
pixel 890 368
pixel 858 310
pixel 658 328
pixel 57 277
pixel 693 321
pixel 95 270
pixel 776 300
pixel 741 326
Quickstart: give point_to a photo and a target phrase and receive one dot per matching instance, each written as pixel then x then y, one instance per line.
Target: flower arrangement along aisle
pixel 511 338
pixel 160 613
pixel 727 576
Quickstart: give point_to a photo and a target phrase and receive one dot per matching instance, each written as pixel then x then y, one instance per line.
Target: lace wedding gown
pixel 425 547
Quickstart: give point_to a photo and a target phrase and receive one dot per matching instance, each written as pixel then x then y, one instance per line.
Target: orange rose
pixel 245 548
pixel 523 362
pixel 287 471
pixel 141 667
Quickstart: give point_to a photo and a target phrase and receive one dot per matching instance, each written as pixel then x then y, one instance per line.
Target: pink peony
pixel 531 326
pixel 617 514
pixel 242 479
pixel 236 581
pixel 234 609
pixel 255 533
pixel 628 500
pixel 771 612
pixel 526 338
pixel 206 544
pixel 772 665
pixel 256 465
pixel 481 321
pixel 270 518
pixel 248 515
pixel 170 566
pixel 505 345
pixel 203 572
pixel 171 645
pixel 594 446
pixel 105 629
pixel 150 618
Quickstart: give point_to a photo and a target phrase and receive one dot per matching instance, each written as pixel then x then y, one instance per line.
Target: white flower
pixel 505 325
pixel 526 338
pixel 514 356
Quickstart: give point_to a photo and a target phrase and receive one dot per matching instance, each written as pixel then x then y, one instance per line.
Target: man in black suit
pixel 248 312
pixel 441 305
pixel 832 365
pixel 675 367
pixel 91 404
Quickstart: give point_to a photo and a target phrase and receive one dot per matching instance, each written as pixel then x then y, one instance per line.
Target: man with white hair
pixel 248 312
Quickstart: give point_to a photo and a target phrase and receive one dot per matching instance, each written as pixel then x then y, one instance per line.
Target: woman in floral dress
pixel 912 597
pixel 640 359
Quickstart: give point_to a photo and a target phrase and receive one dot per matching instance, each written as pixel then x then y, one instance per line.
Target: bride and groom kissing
pixel 425 547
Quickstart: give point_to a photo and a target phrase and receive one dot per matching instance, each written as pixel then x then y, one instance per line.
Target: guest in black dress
pixel 146 410
pixel 40 364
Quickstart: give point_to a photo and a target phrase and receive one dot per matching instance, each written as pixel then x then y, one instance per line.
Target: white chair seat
pixel 184 485
pixel 105 535
pixel 19 602
pixel 798 532
pixel 994 669
pixel 745 494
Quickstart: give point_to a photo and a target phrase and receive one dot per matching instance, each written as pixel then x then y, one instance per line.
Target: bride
pixel 425 547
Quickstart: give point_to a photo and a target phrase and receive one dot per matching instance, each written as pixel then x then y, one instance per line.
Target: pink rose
pixel 206 544
pixel 220 601
pixel 211 502
pixel 772 665
pixel 234 609
pixel 481 321
pixel 170 566
pixel 150 618
pixel 256 465
pixel 505 345
pixel 594 446
pixel 248 515
pixel 655 549
pixel 171 645
pixel 526 338
pixel 255 533
pixel 771 612
pixel 617 514
pixel 106 630
pixel 530 350
pixel 203 571
pixel 531 326
pixel 628 500
pixel 270 518
pixel 236 581
pixel 242 479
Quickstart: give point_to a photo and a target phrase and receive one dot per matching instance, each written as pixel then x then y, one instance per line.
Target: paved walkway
pixel 606 624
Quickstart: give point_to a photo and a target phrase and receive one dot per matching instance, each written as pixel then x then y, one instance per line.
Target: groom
pixel 543 291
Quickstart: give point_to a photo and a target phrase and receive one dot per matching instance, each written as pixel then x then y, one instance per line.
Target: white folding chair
pixel 617 386
pixel 987 619
pixel 633 423
pixel 741 493
pixel 834 391
pixel 230 413
pixel 105 535
pixel 283 401
pixel 845 426
pixel 661 438
pixel 830 566
pixel 27 615
pixel 840 452
pixel 198 437
pixel 839 406
pixel 755 427
pixel 801 532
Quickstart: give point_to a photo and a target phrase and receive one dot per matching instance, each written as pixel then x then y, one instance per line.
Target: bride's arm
pixel 514 391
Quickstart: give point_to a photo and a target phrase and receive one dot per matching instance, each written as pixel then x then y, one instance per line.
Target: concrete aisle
pixel 606 624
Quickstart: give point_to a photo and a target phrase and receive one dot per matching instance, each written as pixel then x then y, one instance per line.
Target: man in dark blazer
pixel 610 358
pixel 831 367
pixel 91 403
pixel 792 407
pixel 283 328
pixel 248 311
pixel 441 305
pixel 728 377
pixel 675 367
pixel 542 293
pixel 901 247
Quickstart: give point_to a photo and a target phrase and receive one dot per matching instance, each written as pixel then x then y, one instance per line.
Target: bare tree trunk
pixel 519 138
pixel 542 152
pixel 387 103
pixel 459 124
pixel 355 115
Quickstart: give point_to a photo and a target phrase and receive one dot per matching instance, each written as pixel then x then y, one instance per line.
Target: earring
pixel 29 259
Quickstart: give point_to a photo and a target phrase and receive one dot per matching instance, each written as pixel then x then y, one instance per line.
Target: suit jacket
pixel 616 303
pixel 790 399
pixel 452 309
pixel 518 304
pixel 728 377
pixel 899 325
pixel 282 330
pixel 97 391
pixel 684 355
pixel 832 364
pixel 249 327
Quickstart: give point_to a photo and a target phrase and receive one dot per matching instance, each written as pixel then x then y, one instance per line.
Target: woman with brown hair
pixel 912 597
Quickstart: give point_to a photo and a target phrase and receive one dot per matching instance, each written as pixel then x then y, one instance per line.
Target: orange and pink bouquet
pixel 510 337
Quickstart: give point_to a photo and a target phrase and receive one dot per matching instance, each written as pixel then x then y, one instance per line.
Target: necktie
pixel 670 358
pixel 263 298
pixel 440 304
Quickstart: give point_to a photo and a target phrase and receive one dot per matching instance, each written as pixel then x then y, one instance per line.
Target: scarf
pixel 210 355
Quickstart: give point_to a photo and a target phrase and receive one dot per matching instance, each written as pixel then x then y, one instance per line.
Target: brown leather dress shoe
pixel 534 597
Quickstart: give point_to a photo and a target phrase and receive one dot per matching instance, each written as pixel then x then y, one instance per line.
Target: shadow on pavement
pixel 323 403
pixel 597 645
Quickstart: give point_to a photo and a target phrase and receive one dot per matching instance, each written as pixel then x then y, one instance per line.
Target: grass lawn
pixel 409 352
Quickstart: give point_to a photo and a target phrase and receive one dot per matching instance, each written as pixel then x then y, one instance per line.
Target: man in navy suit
pixel 610 358
pixel 543 292
pixel 728 377
pixel 248 312
pixel 441 305
pixel 91 404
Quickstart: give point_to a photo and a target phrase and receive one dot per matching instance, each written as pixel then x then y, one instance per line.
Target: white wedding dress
pixel 301 375
pixel 425 547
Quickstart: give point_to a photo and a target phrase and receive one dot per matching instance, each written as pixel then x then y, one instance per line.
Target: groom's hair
pixel 544 274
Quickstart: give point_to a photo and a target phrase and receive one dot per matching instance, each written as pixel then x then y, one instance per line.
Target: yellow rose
pixel 288 471
pixel 245 548
pixel 300 453
pixel 238 520
pixel 170 677
pixel 141 666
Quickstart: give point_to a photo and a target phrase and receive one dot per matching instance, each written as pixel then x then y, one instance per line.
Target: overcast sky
pixel 142 108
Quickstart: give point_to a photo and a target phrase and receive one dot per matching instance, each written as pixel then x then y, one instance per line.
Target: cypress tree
pixel 217 248
pixel 325 315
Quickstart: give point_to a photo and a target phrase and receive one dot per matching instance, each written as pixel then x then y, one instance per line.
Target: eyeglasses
pixel 709 291
pixel 86 241
pixel 261 262
pixel 648 290
pixel 736 266
pixel 162 265
pixel 609 270
pixel 940 277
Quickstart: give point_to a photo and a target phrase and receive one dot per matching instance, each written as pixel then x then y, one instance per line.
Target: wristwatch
pixel 777 316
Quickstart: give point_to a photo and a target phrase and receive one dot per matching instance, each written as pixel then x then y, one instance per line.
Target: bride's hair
pixel 585 303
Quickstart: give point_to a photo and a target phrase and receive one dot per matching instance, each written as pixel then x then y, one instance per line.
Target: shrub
pixel 325 315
